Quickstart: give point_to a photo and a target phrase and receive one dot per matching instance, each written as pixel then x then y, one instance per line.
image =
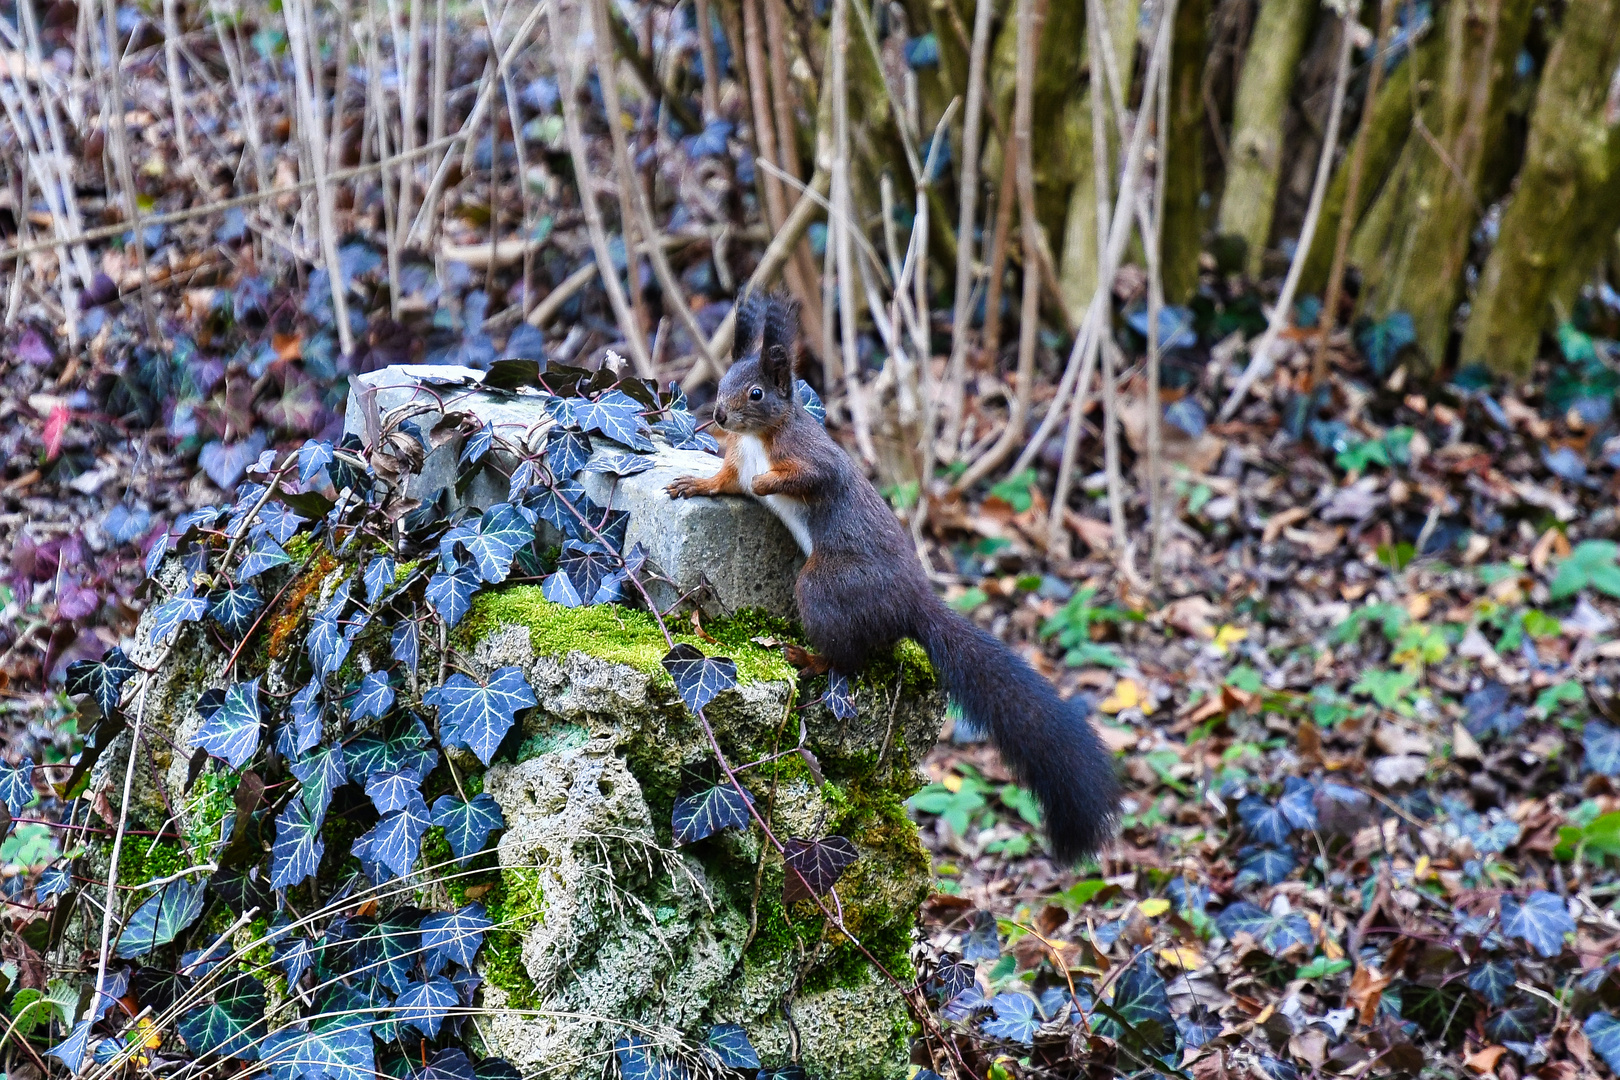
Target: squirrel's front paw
pixel 685 487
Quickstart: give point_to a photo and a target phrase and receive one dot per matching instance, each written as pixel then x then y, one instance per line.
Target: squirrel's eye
pixel 756 394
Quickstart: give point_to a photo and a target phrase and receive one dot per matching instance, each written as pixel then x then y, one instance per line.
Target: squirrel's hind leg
pixel 807 661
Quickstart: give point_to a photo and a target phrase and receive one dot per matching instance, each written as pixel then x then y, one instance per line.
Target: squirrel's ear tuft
pixel 781 335
pixel 751 312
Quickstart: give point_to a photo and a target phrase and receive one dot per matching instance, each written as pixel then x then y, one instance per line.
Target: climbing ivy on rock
pixel 364 705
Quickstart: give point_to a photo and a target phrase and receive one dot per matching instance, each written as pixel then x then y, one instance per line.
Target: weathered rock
pixel 736 547
pixel 636 929
pixel 604 927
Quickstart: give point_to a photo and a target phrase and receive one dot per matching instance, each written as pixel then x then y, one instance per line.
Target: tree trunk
pixel 1078 272
pixel 1567 204
pixel 1183 227
pixel 1255 164
pixel 1391 122
pixel 1413 244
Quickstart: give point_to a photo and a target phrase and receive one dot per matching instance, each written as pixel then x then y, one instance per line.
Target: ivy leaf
pixel 731 1046
pixel 320 773
pixel 307 717
pixel 559 589
pixel 619 463
pixel 389 948
pixel 1514 1025
pixel 294 956
pixel 477 445
pixel 1266 823
pixel 1014 1018
pixel 424 1005
pixel 1602 745
pixel 232 1025
pixel 616 415
pixel 638 1061
pixel 155 554
pixel 478 717
pixel 951 976
pixel 404 643
pixel 1540 920
pixel 161 919
pixel 1298 803
pixel 567 452
pixel 395 841
pixel 1140 1009
pixel 467 824
pixel 336 1048
pixel 54 880
pixel 502 532
pixel 1602 1030
pixel 1270 865
pixel 328 641
pixel 264 554
pixel 202 516
pixel 451 594
pixel 17 785
pixel 1492 979
pixel 181 608
pixel 593 568
pixel 313 456
pixel 698 678
pixel 378 576
pixel 374 698
pixel 700 816
pixel 232 731
pixel 983 941
pixel 1273 932
pixel 556 505
pixel 299 847
pixel 812 401
pixel 103 679
pixel 455 936
pixel 70 1051
pixel 391 791
pixel 814 866
pixel 839 698
pixel 376 752
pixel 278 522
pixel 234 608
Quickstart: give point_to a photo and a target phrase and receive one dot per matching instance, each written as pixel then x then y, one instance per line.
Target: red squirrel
pixel 863 588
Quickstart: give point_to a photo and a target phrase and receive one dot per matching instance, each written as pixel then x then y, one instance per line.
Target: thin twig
pixel 567 77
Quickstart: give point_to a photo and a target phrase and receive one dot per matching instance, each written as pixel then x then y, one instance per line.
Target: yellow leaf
pixel 1182 956
pixel 1420 872
pixel 1155 907
pixel 153 1033
pixel 952 782
pixel 1126 695
pixel 1226 637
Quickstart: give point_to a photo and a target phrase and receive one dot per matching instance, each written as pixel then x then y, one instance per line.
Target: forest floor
pixel 1367 708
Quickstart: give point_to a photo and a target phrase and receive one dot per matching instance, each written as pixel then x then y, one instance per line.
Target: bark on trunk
pixel 1183 226
pixel 1567 204
pixel 1078 270
pixel 1254 166
pixel 1414 242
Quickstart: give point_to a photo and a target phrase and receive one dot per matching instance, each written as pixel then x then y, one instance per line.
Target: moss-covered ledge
pixel 609 927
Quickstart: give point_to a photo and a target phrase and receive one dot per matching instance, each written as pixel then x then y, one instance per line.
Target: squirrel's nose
pixel 720 415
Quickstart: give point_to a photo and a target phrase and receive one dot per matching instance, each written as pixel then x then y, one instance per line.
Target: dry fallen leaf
pixel 1484 1061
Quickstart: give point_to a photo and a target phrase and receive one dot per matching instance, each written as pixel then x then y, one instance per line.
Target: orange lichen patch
pixel 284 623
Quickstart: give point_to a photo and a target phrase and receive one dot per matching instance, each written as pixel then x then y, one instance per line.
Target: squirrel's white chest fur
pixel 751 461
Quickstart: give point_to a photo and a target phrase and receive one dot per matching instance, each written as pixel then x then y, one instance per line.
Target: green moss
pixel 513 900
pixel 211 801
pixel 142 859
pixel 612 632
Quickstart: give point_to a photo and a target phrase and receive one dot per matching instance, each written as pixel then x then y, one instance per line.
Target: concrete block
pixel 733 545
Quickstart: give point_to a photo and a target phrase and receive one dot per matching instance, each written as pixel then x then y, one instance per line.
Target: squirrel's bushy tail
pixel 1047 742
